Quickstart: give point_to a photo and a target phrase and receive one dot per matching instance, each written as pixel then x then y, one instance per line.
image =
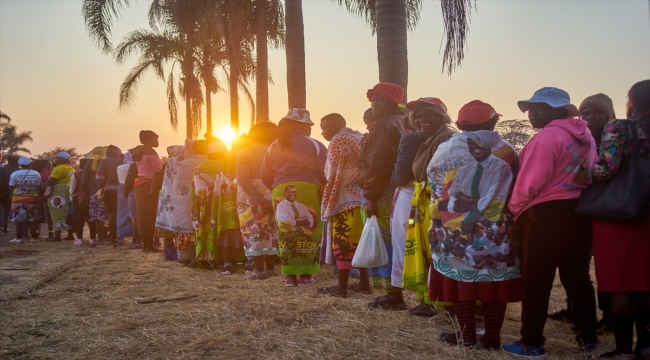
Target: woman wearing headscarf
pixel 376 166
pixel 224 211
pixel 342 203
pixel 58 190
pixel 411 219
pixel 256 217
pixel 106 178
pixel 622 251
pixel 597 110
pixel 470 177
pixel 553 171
pixel 124 220
pixel 149 166
pixel 293 168
pixel 25 185
pixel 174 217
pixel 204 250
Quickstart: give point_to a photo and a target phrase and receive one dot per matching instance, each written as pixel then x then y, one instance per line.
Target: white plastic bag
pixel 371 251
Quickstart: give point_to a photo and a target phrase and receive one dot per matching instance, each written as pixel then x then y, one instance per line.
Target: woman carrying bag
pixel 622 250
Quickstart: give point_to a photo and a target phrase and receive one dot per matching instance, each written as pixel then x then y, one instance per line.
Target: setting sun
pixel 226 135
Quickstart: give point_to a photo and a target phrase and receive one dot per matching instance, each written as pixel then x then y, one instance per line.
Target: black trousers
pixel 556 237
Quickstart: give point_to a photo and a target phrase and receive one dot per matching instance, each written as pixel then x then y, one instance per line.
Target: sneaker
pixel 456 339
pixel 306 280
pixel 34 240
pixel 290 281
pixel 524 351
pixel 248 269
pixel 92 242
pixel 226 270
pixel 15 241
pixel 78 242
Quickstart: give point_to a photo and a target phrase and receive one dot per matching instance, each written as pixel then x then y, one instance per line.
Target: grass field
pixel 92 311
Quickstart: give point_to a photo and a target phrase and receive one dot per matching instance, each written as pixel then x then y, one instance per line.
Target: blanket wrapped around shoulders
pixel 175 205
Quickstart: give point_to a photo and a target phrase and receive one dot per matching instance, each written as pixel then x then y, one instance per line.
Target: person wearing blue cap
pixel 25 207
pixel 554 169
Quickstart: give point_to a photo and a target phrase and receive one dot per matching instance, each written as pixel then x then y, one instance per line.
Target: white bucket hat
pixel 299 115
pixel 63 155
pixel 24 161
pixel 553 97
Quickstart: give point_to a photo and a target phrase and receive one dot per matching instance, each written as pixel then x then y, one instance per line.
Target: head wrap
pixel 387 91
pixel 601 102
pixel 24 161
pixel 476 112
pixel 147 136
pixel 485 139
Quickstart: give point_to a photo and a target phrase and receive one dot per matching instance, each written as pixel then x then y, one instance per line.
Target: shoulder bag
pixel 624 198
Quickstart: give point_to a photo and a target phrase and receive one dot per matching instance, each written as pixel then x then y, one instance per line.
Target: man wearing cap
pixel 376 165
pixel 25 205
pixel 554 169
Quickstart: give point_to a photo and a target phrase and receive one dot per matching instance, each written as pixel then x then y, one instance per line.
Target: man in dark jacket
pixel 376 165
pixel 5 174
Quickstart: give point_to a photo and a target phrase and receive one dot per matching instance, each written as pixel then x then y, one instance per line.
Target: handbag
pixel 371 250
pixel 624 198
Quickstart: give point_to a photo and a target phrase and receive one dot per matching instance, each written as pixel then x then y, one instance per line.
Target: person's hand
pixel 303 222
pixel 371 208
pixel 195 225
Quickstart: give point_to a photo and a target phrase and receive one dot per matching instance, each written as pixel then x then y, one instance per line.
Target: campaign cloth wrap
pixel 470 176
pixel 225 218
pixel 175 201
pixel 202 197
pixel 297 207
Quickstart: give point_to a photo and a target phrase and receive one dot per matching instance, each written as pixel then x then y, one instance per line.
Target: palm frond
pixel 155 13
pixel 130 83
pixel 99 16
pixel 4 116
pixel 172 103
pixel 456 15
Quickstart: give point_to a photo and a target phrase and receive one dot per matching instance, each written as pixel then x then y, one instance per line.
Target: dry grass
pixel 91 311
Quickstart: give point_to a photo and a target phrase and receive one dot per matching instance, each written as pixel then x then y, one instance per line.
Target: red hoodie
pixel 550 164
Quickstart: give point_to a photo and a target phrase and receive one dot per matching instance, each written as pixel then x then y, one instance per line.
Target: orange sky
pixel 54 81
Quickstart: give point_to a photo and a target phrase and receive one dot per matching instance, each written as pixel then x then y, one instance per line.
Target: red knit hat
pixel 387 91
pixel 476 112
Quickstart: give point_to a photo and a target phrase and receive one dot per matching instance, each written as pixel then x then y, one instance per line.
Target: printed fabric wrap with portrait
pixel 297 207
pixel 58 204
pixel 174 204
pixel 471 175
pixel 224 206
pixel 259 229
pixel 202 198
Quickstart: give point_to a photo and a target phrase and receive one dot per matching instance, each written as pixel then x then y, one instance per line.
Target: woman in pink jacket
pixel 554 169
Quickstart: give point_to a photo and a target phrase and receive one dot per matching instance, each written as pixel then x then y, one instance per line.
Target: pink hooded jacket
pixel 550 164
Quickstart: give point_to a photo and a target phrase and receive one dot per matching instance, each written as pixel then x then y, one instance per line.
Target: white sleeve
pixel 73 186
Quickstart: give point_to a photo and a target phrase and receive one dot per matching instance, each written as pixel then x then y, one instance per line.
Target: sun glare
pixel 226 135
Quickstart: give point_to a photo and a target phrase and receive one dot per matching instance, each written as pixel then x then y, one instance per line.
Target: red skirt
pixel 622 256
pixel 442 288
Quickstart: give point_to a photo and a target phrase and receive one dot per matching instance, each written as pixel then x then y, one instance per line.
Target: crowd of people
pixel 467 222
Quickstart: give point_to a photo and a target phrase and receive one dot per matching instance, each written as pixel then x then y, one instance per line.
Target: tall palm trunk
pixel 261 81
pixel 295 46
pixel 208 109
pixel 188 115
pixel 391 42
pixel 234 96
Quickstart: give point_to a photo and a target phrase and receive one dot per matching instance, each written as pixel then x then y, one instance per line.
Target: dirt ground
pixel 92 311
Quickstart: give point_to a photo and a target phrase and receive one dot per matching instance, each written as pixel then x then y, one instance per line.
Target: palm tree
pixel 295 49
pixel 269 22
pixel 391 19
pixel 11 140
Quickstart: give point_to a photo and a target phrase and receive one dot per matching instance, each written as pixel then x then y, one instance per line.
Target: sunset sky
pixel 56 83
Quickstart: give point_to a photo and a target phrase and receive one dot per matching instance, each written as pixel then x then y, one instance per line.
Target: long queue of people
pixel 465 219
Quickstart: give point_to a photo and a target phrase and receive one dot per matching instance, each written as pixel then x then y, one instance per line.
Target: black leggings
pixel 629 309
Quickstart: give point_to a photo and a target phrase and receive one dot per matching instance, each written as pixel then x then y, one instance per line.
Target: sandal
pixel 355 288
pixel 455 339
pixel 257 276
pixel 326 291
pixel 429 312
pixel 381 302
